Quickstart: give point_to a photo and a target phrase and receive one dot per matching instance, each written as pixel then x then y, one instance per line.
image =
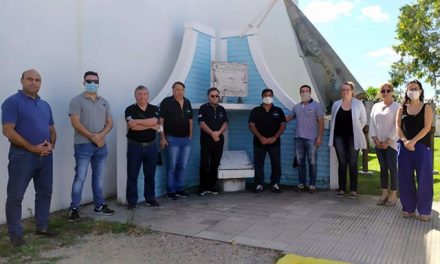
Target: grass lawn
pixel 370 183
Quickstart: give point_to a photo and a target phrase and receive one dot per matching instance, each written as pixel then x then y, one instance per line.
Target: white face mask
pixel 305 97
pixel 413 95
pixel 267 100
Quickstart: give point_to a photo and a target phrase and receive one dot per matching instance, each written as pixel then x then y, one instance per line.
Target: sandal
pixel 382 201
pixel 424 218
pixel 406 214
pixel 391 202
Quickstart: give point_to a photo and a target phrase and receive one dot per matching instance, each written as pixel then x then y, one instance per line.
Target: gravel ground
pixel 160 248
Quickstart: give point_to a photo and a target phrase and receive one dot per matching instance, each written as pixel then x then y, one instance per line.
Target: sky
pixel 362 33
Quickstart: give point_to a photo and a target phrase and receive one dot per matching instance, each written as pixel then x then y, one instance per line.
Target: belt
pixel 143 144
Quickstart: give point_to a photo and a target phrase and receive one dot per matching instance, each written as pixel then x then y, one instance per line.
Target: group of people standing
pixel 28 124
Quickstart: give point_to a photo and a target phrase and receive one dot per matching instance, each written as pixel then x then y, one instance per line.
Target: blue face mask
pixel 91 87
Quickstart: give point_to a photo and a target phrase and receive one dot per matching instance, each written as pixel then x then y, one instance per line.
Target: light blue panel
pixel 240 138
pixel 197 83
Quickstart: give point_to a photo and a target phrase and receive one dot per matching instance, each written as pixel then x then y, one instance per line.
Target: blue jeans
pixel 85 154
pixel 347 157
pixel 275 163
pixel 388 162
pixel 24 166
pixel 177 157
pixel 138 155
pixel 306 148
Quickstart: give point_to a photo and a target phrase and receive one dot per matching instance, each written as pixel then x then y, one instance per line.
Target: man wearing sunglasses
pixel 91 119
pixel 213 121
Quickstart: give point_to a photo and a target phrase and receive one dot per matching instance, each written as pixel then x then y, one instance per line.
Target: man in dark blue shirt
pixel 28 124
pixel 267 122
pixel 213 122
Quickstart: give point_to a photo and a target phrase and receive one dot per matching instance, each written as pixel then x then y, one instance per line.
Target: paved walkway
pixel 319 225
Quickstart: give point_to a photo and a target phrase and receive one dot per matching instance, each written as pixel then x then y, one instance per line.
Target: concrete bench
pixel 234 168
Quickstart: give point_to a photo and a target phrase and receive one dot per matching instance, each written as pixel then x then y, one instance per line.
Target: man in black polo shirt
pixel 267 122
pixel 143 123
pixel 213 122
pixel 176 118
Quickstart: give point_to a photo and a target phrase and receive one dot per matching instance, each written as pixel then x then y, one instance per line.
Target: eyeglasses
pixel 92 81
pixel 214 96
pixel 386 91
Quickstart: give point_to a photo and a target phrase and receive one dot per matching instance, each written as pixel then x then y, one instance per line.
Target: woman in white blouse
pixel 383 132
pixel 346 135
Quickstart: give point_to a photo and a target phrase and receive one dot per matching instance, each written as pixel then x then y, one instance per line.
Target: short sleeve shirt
pixel 214 117
pixel 267 122
pixel 32 117
pixel 135 112
pixel 176 118
pixel 92 115
pixel 307 115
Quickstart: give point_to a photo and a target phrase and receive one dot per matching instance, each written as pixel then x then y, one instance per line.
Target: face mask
pixel 305 97
pixel 267 100
pixel 413 95
pixel 91 87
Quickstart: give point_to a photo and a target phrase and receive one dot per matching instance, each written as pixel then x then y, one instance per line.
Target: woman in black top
pixel 414 121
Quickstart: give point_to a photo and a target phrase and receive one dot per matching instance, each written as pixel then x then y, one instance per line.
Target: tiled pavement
pixel 318 225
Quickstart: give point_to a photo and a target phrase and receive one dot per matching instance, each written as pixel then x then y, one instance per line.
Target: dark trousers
pixel 24 166
pixel 138 155
pixel 347 158
pixel 420 162
pixel 388 166
pixel 275 162
pixel 210 156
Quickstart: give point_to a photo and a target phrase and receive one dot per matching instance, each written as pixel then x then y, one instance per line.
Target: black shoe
pixel 17 241
pixel 152 203
pixel 74 215
pixel 103 210
pixel 131 207
pixel 171 196
pixel 182 194
pixel 46 233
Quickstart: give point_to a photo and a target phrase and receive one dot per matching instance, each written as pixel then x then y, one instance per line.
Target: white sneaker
pixel 259 188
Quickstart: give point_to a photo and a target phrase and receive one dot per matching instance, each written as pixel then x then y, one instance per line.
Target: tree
pixel 418 34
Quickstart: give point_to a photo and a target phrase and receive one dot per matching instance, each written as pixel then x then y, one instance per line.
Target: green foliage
pixel 418 35
pixel 372 94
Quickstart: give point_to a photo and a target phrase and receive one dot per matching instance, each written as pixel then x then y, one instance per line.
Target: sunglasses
pixel 214 96
pixel 386 91
pixel 92 81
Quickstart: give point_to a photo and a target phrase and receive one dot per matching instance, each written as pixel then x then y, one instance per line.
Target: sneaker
pixel 103 210
pixel 301 187
pixel 213 191
pixel 353 195
pixel 276 188
pixel 131 207
pixel 340 194
pixel 17 241
pixel 46 233
pixel 259 188
pixel 312 189
pixel 171 196
pixel 182 194
pixel 203 193
pixel 152 203
pixel 74 215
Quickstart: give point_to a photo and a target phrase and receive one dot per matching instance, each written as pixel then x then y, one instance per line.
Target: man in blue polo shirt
pixel 267 122
pixel 308 136
pixel 28 124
